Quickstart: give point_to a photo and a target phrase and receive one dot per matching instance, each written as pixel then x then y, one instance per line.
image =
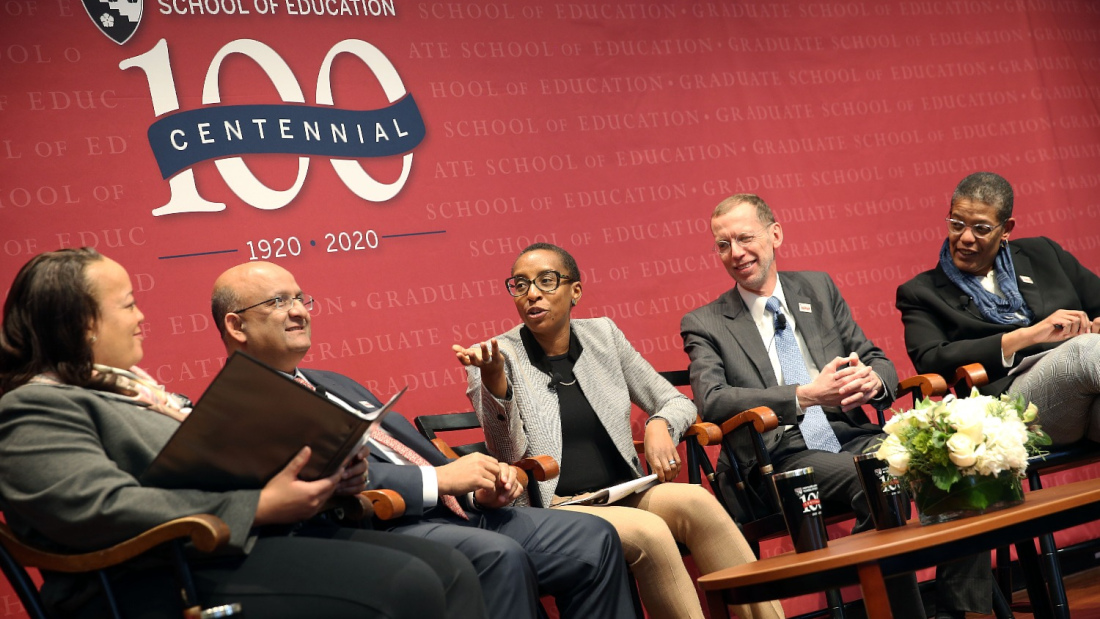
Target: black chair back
pixel 21 582
pixel 431 425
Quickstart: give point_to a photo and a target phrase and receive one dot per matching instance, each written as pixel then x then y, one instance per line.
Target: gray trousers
pixel 1064 385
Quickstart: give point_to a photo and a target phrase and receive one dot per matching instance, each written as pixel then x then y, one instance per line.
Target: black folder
pixel 250 423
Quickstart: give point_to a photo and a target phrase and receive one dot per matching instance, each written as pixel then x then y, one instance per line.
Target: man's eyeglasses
pixel 980 231
pixel 744 240
pixel 281 303
pixel 547 281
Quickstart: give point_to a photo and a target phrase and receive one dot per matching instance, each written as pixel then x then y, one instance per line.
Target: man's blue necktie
pixel 815 427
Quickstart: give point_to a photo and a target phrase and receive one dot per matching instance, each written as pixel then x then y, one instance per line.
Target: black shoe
pixel 951 614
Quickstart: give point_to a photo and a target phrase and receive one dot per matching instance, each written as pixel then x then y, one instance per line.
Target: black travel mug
pixel 889 504
pixel 800 501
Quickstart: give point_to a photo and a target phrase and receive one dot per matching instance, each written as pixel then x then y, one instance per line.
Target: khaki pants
pixel 651 522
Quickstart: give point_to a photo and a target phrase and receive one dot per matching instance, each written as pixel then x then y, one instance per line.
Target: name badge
pixel 805 308
pixel 1025 279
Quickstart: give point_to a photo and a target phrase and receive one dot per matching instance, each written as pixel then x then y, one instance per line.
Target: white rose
pixel 923 416
pixel 895 454
pixel 894 424
pixel 961 450
pixel 967 416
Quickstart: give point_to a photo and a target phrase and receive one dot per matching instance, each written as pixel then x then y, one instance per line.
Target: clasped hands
pixel 844 382
pixel 493 482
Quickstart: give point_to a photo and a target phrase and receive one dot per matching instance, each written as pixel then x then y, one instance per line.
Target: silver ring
pixel 672 463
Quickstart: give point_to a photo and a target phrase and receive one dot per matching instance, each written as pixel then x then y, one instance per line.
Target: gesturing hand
pixel 482 355
pixel 286 499
pixel 488 357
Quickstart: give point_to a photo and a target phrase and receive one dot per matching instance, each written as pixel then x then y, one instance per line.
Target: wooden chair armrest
pixel 348 510
pixel 927 385
pixel 208 533
pixel 540 467
pixel 442 446
pixel 705 432
pixel 386 504
pixel 762 419
pixel 970 376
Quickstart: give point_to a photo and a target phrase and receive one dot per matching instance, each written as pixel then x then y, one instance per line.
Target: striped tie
pixel 385 438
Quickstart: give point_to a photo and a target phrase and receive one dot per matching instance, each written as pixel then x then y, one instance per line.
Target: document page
pixel 613 494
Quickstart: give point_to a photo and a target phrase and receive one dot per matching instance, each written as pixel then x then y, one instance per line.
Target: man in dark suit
pixel 997 303
pixel 518 552
pixel 738 345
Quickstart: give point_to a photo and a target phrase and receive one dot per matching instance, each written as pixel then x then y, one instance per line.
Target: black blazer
pixel 944 329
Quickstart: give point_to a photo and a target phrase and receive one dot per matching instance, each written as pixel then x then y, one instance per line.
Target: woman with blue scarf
pixel 1028 311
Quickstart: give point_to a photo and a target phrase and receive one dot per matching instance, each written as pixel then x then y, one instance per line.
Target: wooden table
pixel 868 557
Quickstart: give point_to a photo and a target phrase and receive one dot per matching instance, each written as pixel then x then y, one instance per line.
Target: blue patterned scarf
pixel 993 308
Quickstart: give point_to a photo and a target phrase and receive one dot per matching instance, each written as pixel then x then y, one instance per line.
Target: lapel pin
pixel 1025 279
pixel 805 308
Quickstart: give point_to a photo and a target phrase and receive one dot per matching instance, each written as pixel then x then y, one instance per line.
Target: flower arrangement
pixel 954 438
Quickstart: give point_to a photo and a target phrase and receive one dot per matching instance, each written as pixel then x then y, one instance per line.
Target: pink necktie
pixel 385 438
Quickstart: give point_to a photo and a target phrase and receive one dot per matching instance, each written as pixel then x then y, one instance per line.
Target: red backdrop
pixel 611 129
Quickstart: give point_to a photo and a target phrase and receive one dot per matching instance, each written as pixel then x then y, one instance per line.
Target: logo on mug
pixel 811 498
pixel 888 484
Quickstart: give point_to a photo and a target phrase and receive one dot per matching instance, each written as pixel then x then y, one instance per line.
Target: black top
pixel 590 460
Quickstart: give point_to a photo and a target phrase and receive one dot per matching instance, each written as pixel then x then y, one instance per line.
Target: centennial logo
pixel 118 19
pixel 811 498
pixel 181 139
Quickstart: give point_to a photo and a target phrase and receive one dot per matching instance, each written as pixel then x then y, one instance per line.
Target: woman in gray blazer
pixel 79 422
pixel 564 387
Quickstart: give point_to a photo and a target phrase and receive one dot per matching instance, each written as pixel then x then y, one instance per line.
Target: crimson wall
pixel 396 155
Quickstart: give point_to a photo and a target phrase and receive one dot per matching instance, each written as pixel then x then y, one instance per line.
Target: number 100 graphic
pixel 380 137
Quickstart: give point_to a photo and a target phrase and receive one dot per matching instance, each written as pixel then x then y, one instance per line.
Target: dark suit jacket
pixel 731 372
pixel 945 330
pixel 406 480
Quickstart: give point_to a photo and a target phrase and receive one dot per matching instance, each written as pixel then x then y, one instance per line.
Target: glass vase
pixel 970 496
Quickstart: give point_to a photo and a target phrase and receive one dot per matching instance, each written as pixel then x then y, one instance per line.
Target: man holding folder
pixel 518 552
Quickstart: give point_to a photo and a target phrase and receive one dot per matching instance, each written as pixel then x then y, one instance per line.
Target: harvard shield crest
pixel 118 19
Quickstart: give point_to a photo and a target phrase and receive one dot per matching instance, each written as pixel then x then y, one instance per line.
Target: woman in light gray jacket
pixel 564 387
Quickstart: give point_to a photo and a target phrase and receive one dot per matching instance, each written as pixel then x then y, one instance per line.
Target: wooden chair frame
pixel 206 532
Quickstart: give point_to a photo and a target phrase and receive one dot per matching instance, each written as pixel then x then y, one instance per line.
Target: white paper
pixel 615 493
